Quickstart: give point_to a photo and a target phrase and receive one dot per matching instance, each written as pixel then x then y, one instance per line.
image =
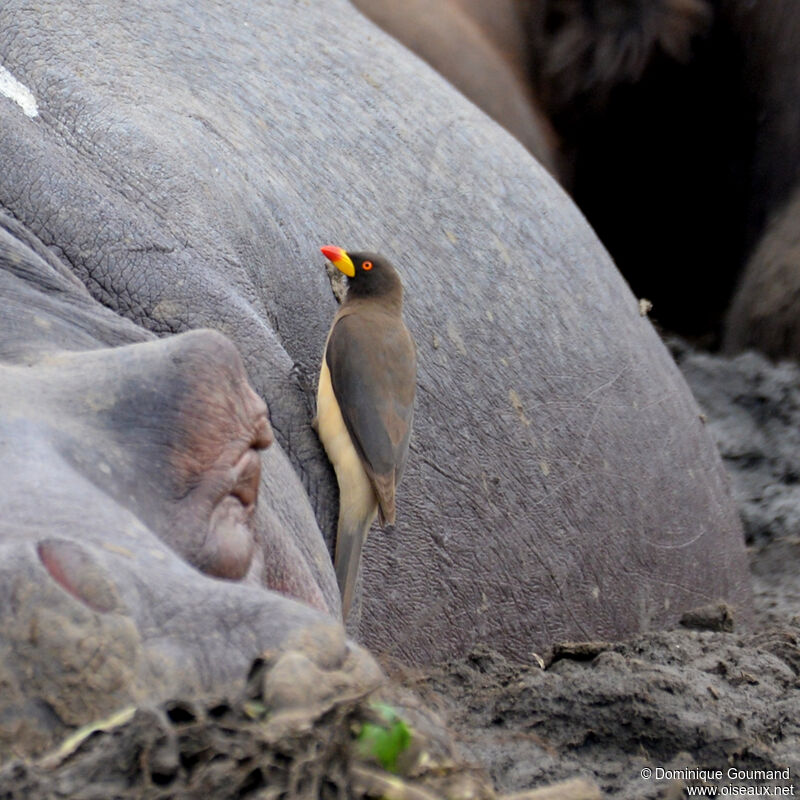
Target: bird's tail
pixel 350 540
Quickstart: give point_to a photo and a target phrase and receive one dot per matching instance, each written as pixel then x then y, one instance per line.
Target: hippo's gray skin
pixel 482 49
pixel 113 461
pixel 186 162
pixel 168 429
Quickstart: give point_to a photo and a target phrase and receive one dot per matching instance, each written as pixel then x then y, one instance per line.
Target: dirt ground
pixel 709 703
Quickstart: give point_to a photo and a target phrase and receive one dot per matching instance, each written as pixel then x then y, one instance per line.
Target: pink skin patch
pixel 72 568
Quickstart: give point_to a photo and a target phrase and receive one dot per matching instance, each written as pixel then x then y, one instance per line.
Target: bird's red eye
pixel 367 265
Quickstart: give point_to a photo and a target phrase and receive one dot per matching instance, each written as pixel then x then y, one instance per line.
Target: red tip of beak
pixel 332 253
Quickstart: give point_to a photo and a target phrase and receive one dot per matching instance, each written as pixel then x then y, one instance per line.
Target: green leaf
pixel 384 742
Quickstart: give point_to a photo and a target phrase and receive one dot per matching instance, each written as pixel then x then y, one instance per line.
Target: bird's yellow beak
pixel 339 259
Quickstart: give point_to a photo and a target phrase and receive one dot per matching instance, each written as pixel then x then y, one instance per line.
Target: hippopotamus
pixel 130 472
pixel 484 51
pixel 183 165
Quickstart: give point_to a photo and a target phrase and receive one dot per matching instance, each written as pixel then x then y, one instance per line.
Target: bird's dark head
pixel 368 274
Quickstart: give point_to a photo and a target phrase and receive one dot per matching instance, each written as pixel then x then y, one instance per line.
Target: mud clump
pixel 295 730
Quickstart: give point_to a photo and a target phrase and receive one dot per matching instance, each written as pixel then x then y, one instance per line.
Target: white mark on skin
pixel 516 402
pixel 455 337
pixel 503 250
pixel 117 549
pixel 11 88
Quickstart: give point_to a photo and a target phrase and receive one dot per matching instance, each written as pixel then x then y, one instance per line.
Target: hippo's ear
pixel 76 571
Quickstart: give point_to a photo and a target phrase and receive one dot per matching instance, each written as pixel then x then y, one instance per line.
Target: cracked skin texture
pixel 117 452
pixel 560 483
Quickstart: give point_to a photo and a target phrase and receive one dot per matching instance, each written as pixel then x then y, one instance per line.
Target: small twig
pixel 74 741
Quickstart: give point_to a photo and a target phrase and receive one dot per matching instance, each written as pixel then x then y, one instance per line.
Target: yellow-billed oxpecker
pixel 365 403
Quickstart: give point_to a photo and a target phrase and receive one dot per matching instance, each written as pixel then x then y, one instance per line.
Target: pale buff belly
pixel 357 501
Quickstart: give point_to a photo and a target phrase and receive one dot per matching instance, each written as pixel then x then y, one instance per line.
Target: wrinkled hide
pixel 123 460
pixel 187 162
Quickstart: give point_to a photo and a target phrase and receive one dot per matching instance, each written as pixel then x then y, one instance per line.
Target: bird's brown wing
pixel 372 362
